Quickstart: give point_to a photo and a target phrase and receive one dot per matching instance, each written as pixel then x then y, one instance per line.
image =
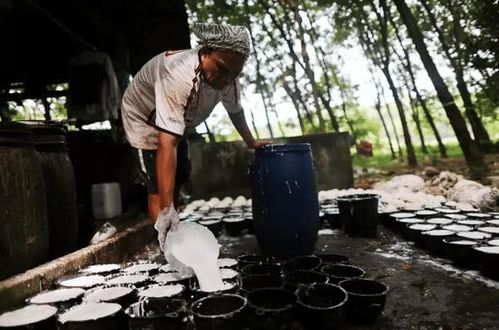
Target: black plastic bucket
pixel 161 292
pixel 215 226
pixel 366 300
pixel 188 280
pixel 123 295
pixel 137 280
pixel 93 316
pixel 252 282
pixel 337 273
pixel 285 200
pixel 227 263
pixel 332 259
pixel 226 311
pixel 359 214
pixel 301 263
pixel 84 281
pixel 271 308
pixel 31 317
pixel 167 314
pixel 332 218
pixel 321 306
pixel 101 269
pixel 296 279
pixel 144 267
pixel 414 232
pixel 460 251
pixel 229 274
pixel 401 224
pixel 261 269
pixel 433 240
pixel 228 287
pixel 488 260
pixel 235 226
pixel 247 259
pixel 63 298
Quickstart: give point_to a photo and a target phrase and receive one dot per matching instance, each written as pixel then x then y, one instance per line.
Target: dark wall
pixel 98 158
pixel 37 37
pixel 221 169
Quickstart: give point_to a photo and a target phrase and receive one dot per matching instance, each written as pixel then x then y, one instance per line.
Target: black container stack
pixel 469 239
pixel 260 292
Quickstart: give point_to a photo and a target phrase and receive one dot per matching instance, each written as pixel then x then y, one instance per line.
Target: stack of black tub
pixel 469 239
pixel 230 220
pixel 260 292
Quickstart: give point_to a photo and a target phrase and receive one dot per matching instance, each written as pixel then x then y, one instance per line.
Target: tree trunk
pixel 411 155
pixel 259 79
pixel 309 72
pixel 344 102
pixel 254 124
pixel 321 56
pixel 295 103
pixel 414 109
pixel 479 132
pixel 384 62
pixel 378 110
pixel 420 99
pixel 299 96
pixel 46 108
pixel 279 124
pixel 4 111
pixel 280 27
pixel 473 156
pixel 380 91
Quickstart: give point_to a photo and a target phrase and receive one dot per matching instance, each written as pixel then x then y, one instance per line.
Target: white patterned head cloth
pixel 224 36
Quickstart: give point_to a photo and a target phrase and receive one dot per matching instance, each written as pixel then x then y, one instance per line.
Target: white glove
pixel 167 218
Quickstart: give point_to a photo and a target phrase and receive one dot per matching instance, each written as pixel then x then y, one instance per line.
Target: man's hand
pixel 167 219
pixel 241 126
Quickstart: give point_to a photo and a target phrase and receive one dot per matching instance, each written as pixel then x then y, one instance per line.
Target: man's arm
pixel 239 122
pixel 166 164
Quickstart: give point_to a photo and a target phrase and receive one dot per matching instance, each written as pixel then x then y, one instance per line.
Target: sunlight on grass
pixel 384 161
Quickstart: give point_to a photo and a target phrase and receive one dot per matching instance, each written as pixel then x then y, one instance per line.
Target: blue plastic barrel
pixel 285 200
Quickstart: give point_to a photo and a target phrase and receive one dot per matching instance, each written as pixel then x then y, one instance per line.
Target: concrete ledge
pixel 136 233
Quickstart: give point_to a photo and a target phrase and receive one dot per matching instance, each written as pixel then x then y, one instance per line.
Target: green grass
pixel 383 160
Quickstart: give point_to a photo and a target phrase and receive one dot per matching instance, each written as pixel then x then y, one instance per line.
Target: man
pixel 176 91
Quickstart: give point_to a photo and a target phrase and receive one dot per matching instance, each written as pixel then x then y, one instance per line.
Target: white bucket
pixel 106 200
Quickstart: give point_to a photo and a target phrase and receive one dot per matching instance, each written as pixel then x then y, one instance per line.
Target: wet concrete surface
pixel 425 292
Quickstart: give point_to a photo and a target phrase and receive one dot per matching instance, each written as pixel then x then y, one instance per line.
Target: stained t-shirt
pixel 156 97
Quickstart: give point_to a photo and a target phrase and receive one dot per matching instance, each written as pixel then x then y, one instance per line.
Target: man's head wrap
pixel 224 36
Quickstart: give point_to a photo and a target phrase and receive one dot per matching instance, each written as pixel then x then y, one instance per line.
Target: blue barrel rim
pixel 283 147
pixel 357 197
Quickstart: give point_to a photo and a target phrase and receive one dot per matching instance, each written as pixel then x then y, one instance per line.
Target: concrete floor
pixel 425 292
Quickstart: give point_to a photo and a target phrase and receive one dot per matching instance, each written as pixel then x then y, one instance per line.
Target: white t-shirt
pixel 164 84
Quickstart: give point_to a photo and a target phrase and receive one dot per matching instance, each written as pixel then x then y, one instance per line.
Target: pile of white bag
pixel 411 192
pixel 447 186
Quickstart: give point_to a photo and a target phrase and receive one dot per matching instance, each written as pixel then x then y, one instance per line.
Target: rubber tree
pixel 383 60
pixel 474 158
pixel 480 133
pixel 407 64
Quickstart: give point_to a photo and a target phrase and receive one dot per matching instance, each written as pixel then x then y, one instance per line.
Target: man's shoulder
pixel 181 57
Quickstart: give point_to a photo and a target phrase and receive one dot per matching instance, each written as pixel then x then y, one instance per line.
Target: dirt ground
pixel 425 292
pixel 454 164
